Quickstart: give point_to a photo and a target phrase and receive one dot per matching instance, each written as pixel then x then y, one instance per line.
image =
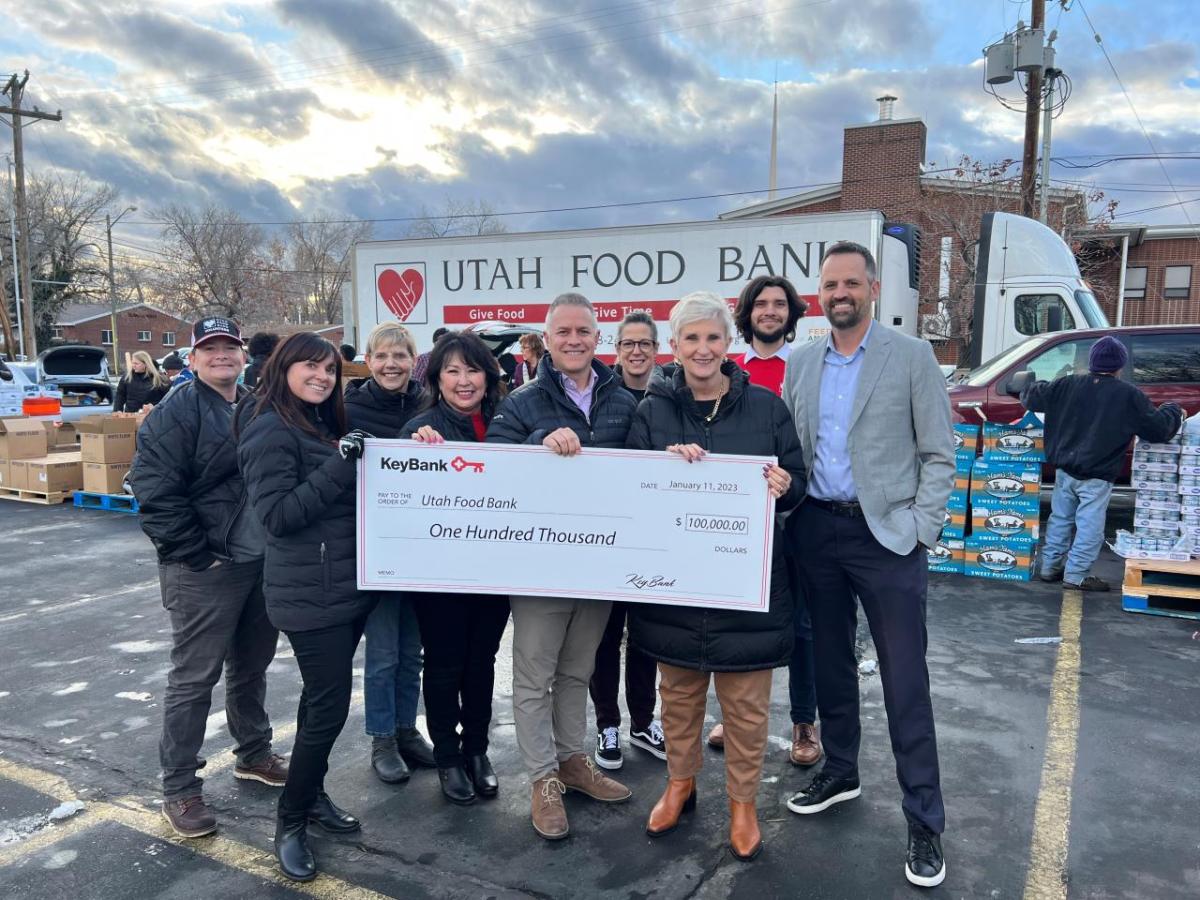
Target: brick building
pixel 883 168
pixel 140 326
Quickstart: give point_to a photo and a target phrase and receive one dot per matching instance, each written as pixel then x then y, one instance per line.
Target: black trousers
pixel 840 558
pixel 326 660
pixel 640 674
pixel 461 634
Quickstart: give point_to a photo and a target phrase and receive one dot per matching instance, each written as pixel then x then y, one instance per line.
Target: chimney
pixel 886 103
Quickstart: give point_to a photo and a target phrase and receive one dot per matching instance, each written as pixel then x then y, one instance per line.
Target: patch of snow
pixel 140 696
pixel 66 810
pixel 1038 640
pixel 59 723
pixel 73 688
pixel 4 693
pixel 214 724
pixel 133 723
pixel 867 667
pixel 142 646
pixel 55 663
pixel 61 859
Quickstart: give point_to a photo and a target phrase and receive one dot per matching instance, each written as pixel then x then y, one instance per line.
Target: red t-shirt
pixel 766 373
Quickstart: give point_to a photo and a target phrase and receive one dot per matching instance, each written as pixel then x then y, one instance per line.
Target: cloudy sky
pixel 373 108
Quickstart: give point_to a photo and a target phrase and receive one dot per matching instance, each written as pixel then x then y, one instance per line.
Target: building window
pixel 168 339
pixel 1165 358
pixel 106 338
pixel 1039 313
pixel 1135 283
pixel 144 337
pixel 1177 283
pixel 56 332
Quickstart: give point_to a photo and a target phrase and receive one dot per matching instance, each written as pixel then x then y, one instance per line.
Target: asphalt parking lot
pixel 1069 768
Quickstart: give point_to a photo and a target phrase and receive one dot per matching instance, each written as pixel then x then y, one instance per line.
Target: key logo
pixel 458 464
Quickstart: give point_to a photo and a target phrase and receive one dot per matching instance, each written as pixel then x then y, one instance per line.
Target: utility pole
pixel 1033 108
pixel 1047 120
pixel 15 91
pixel 109 222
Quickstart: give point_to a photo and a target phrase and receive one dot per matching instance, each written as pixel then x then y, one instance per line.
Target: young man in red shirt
pixel 766 315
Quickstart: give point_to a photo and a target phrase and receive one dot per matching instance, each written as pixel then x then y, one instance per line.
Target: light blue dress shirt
pixel 831 477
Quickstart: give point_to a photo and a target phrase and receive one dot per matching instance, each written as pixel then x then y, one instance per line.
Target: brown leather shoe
pixel 678 798
pixel 272 770
pixel 189 817
pixel 716 737
pixel 806 744
pixel 579 773
pixel 745 840
pixel 547 813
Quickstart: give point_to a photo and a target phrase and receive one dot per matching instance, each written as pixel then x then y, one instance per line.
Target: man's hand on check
pixel 427 434
pixel 563 441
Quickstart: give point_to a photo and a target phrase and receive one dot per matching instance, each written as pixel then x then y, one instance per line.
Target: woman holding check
pixel 461 632
pixel 707 405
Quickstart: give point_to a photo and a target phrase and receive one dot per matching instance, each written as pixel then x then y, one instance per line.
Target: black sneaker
pixel 608 749
pixel 823 792
pixel 650 739
pixel 1091 583
pixel 1052 577
pixel 925 865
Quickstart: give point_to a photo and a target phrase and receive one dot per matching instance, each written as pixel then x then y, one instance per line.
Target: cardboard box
pixel 60 434
pixel 958 499
pixel 1013 483
pixel 5 474
pixel 946 556
pixel 55 474
pixel 966 442
pixel 22 439
pixel 107 439
pixel 1024 439
pixel 1003 561
pixel 104 478
pixel 1148 447
pixel 18 474
pixel 999 523
pixel 954 524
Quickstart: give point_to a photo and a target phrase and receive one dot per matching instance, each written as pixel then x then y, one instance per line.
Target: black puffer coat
pixel 185 475
pixel 303 493
pixel 447 422
pixel 751 420
pixel 534 410
pixel 378 412
pixel 135 390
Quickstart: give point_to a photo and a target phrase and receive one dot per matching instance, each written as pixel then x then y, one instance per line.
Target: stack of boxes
pixel 106 444
pixel 25 465
pixel 1166 514
pixel 11 398
pixel 993 513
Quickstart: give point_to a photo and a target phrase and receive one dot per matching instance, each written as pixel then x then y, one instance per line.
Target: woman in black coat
pixel 380 405
pixel 707 405
pixel 142 384
pixel 300 482
pixel 461 632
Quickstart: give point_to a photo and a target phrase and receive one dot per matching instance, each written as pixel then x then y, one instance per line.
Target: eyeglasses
pixel 644 346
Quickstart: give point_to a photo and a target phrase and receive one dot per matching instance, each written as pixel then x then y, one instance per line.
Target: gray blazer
pixel 901 441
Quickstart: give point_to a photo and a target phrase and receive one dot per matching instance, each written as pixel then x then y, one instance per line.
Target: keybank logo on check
pixel 413 465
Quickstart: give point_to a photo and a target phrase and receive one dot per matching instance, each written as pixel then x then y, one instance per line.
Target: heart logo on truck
pixel 401 291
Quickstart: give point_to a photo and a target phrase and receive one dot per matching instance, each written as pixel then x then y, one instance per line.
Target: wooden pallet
pixel 1162 587
pixel 40 497
pixel 118 503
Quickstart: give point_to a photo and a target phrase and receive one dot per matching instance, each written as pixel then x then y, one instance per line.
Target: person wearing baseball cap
pixel 1090 420
pixel 193 507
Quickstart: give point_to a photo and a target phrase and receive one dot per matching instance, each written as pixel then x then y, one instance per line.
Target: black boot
pixel 331 817
pixel 417 751
pixel 482 775
pixel 387 762
pixel 291 848
pixel 456 785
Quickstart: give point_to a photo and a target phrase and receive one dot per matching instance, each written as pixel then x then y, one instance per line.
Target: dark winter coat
pixel 1090 420
pixel 185 475
pixel 449 423
pixel 135 390
pixel 753 421
pixel 303 493
pixel 378 412
pixel 534 410
pixel 250 376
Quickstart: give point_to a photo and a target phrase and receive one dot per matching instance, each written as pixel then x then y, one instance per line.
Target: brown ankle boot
pixel 678 798
pixel 745 840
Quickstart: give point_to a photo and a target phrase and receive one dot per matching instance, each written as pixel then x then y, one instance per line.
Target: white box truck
pixel 511 278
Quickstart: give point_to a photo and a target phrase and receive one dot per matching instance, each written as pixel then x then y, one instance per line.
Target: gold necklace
pixel 716 406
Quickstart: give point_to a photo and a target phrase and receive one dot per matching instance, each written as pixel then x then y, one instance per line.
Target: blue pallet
pixel 1175 607
pixel 118 503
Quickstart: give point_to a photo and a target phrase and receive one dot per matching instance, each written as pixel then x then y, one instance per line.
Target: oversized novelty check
pixel 605 524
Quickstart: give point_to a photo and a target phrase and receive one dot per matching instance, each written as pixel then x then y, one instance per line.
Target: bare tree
pixel 457 217
pixel 213 260
pixel 320 253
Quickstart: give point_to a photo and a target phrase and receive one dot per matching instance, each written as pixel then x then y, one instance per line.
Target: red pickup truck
pixel 1164 362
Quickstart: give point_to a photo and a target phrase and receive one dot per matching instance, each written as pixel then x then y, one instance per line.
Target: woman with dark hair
pixel 461 632
pixel 300 482
pixel 262 345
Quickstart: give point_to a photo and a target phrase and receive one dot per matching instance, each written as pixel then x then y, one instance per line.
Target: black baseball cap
pixel 215 326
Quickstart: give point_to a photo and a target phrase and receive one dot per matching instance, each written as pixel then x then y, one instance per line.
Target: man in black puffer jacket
pixel 210 561
pixel 575 402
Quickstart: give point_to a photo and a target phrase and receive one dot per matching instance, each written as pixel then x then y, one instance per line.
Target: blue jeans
pixel 1080 504
pixel 392 666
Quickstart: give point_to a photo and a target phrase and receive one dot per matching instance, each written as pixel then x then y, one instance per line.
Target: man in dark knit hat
pixel 1090 420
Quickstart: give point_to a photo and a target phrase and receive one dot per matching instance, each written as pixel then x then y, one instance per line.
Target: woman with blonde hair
pixel 142 385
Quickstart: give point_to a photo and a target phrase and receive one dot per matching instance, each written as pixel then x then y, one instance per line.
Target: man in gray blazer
pixel 871 409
